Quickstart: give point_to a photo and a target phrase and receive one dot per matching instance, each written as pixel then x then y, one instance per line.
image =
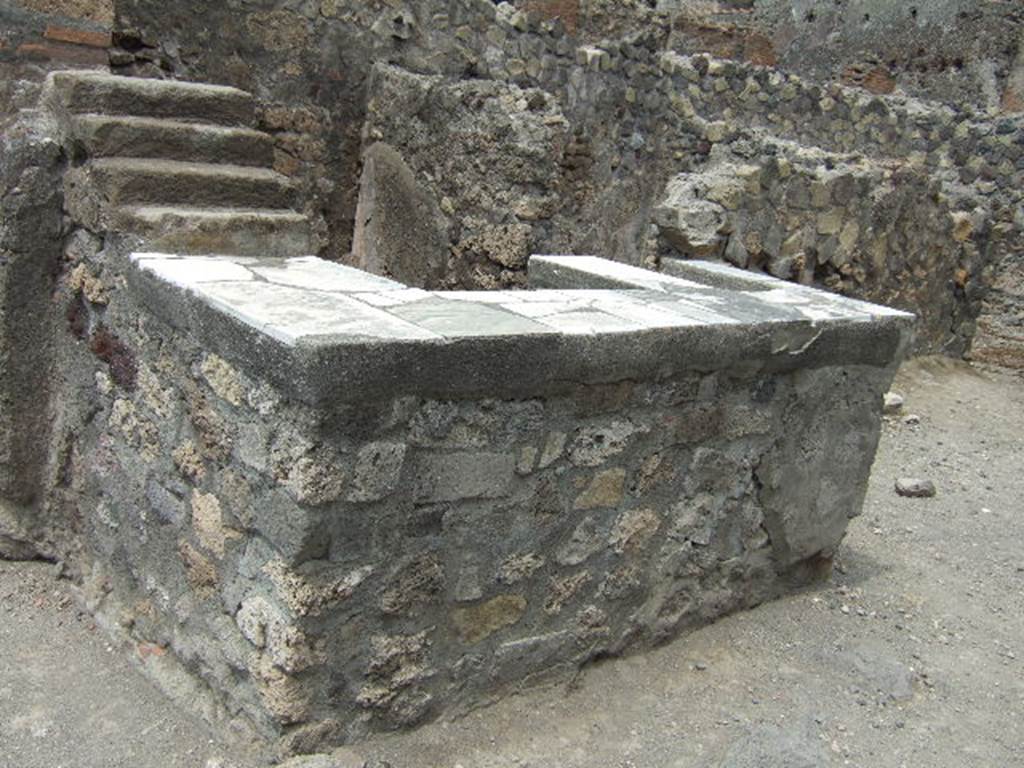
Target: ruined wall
pixel 460 183
pixel 950 51
pixel 925 202
pixel 311 67
pixel 626 117
pixel 330 557
pixel 881 232
pixel 334 574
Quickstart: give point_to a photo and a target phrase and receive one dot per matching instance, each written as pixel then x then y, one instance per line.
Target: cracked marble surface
pixel 327 333
pixel 306 298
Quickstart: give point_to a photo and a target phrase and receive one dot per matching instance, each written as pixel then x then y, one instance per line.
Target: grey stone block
pixel 318 275
pixel 188 230
pixel 143 181
pixel 461 319
pixel 80 91
pixel 377 471
pixel 128 136
pixel 454 476
pixel 169 507
pixel 298 534
pixel 527 656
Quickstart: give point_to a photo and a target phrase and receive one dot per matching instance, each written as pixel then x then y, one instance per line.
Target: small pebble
pixel 892 403
pixel 915 488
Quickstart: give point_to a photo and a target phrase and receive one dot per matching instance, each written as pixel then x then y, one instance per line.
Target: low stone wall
pixel 883 232
pixel 928 50
pixel 429 213
pixel 847 119
pixel 463 180
pixel 345 505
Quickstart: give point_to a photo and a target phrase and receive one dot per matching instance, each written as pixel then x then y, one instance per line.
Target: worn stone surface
pixel 177 164
pixel 413 201
pixel 368 341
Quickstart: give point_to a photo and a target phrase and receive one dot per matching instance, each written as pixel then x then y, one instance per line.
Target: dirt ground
pixel 911 655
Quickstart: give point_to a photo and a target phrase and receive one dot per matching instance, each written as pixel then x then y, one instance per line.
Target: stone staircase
pixel 178 164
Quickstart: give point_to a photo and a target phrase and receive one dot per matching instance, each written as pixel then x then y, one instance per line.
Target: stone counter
pixel 327 333
pixel 346 505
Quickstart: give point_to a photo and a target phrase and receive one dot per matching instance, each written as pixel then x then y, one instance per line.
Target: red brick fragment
pixel 63 52
pixel 1012 101
pixel 759 50
pixel 566 10
pixel 151 649
pixel 86 37
pixel 877 79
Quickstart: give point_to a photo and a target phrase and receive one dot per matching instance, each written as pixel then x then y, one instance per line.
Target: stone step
pixel 97 92
pixel 130 181
pixel 198 231
pixel 119 136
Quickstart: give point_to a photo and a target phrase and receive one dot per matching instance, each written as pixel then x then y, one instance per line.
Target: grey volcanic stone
pixel 914 487
pixel 191 230
pixel 31 253
pixel 131 136
pixel 106 94
pixel 892 403
pixel 144 181
pixel 450 477
pixel 377 471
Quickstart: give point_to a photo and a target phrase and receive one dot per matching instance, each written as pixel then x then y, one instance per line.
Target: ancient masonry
pixel 331 496
pixel 420 500
pixel 344 504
